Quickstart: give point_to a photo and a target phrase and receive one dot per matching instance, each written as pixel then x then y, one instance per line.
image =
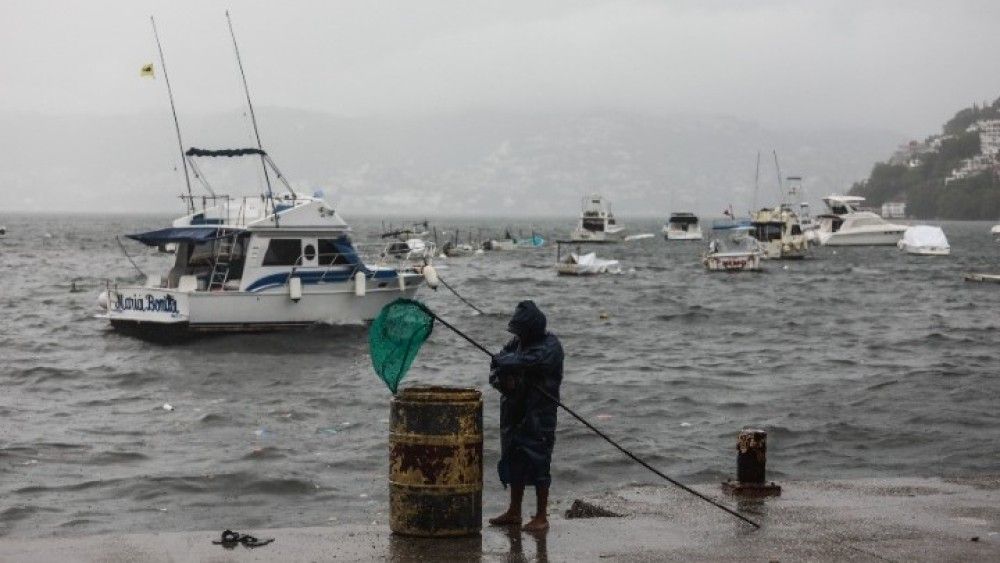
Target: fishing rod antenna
pixel 173 111
pixel 253 116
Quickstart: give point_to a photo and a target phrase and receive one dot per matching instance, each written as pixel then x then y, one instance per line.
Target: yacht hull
pixel 732 262
pixel 682 235
pixel 779 250
pixel 886 237
pixel 583 235
pixel 201 312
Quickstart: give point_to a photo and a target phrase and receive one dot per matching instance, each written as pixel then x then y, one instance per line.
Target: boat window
pixel 329 255
pixel 309 252
pixel 593 224
pixel 282 252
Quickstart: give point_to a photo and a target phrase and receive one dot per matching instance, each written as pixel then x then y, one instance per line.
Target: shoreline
pixel 894 519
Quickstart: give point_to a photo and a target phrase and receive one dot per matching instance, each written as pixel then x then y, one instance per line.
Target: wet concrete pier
pixel 857 520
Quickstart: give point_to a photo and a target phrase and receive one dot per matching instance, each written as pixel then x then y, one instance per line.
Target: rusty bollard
pixel 751 467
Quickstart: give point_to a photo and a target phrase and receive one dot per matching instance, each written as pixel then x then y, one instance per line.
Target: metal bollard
pixel 751 466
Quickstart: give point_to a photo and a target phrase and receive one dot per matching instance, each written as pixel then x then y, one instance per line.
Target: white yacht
pixel 847 225
pixel 682 226
pixel 597 223
pixel 779 233
pixel 264 262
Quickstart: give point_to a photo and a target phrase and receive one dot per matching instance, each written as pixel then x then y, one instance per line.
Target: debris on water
pixel 261 432
pixel 327 430
pixel 603 417
pixel 974 538
pixel 685 424
pixel 582 509
pixel 168 407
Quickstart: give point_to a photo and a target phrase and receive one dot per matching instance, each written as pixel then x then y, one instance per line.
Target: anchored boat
pixel 258 263
pixel 732 249
pixel 682 226
pixel 597 222
pixel 848 225
pixel 779 233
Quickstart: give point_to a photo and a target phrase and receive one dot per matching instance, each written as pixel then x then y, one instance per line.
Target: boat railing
pixel 221 208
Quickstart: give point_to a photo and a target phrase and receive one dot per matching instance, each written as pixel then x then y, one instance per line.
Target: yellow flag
pixel 147 70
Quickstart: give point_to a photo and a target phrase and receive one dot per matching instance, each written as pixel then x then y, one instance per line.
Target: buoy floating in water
pixel 431 277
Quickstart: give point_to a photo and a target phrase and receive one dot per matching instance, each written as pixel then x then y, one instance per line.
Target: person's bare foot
pixel 506 519
pixel 537 524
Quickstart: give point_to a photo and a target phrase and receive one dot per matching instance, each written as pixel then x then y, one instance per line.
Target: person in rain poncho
pixel 532 359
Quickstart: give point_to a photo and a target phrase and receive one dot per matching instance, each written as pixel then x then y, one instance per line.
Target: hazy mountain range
pixel 476 163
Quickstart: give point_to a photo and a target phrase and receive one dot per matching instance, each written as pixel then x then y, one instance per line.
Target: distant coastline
pixel 953 175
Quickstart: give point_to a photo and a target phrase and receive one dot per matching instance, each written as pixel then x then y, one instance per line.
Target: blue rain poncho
pixel 532 358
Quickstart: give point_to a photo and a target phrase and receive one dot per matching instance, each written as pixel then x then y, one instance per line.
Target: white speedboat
pixel 262 262
pixel 847 225
pixel 779 233
pixel 682 226
pixel 732 249
pixel 925 240
pixel 597 222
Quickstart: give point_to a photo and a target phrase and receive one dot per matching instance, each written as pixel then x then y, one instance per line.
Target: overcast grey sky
pixel 902 65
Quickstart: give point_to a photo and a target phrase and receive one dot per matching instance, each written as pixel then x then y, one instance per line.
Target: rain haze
pixel 481 108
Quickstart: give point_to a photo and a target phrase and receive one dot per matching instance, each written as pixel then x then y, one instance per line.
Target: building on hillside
pixel 971 167
pixel 989 136
pixel 894 210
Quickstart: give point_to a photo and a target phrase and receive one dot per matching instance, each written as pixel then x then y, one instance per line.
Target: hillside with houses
pixel 952 175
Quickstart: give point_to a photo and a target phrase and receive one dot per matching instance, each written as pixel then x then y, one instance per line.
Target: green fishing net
pixel 395 338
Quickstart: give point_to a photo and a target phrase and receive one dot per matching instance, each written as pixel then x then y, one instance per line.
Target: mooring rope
pixel 464 300
pixel 125 252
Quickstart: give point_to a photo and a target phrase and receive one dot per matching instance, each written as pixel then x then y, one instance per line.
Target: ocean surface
pixel 860 362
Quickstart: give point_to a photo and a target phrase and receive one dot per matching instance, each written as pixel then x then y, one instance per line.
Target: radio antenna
pixel 173 110
pixel 253 118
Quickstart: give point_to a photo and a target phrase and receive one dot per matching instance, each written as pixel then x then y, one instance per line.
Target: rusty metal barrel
pixel 436 462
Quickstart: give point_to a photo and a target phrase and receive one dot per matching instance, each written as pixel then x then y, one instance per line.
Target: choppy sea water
pixel 859 362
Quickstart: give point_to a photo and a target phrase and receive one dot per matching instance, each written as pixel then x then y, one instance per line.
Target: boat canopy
pixel 921 236
pixel 182 234
pixel 224 152
pixel 683 218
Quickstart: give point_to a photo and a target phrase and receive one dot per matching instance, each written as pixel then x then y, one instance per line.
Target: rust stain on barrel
pixel 436 461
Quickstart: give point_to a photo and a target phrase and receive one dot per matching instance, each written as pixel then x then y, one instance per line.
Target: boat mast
pixel 253 118
pixel 756 184
pixel 781 189
pixel 173 110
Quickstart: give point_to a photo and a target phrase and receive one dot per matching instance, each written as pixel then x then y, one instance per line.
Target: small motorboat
pixel 732 249
pixel 587 265
pixel 457 250
pixel 925 240
pixel 995 231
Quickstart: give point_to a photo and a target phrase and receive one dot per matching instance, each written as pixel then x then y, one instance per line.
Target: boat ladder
pixel 220 270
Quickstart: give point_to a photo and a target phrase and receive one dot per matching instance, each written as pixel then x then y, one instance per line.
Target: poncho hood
pixel 528 322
